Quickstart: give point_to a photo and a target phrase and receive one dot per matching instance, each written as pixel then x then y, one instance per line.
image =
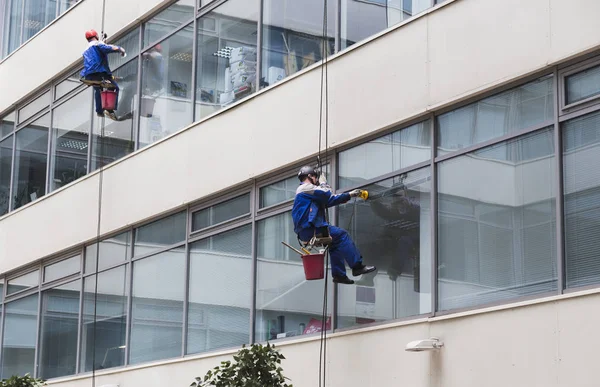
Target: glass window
pixel 20 332
pixel 71 125
pixel 64 5
pixel 583 85
pixel 219 293
pixel 497 223
pixel 278 192
pixel 119 136
pixel 131 43
pixel 581 142
pixel 1 296
pixel 5 167
pixel 23 282
pixel 362 19
pixel 392 230
pixel 162 233
pixel 205 2
pixel 30 162
pixel 168 20
pixel 293 36
pixel 226 65
pixel 511 111
pixel 286 303
pixel 34 107
pixel 385 154
pixel 62 269
pixel 157 311
pixel 38 14
pixel 13 21
pixel 113 251
pixel 166 104
pixel 58 338
pixel 69 84
pixel 7 124
pixel 110 320
pixel 221 212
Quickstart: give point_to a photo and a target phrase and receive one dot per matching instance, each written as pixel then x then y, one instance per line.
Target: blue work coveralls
pixel 95 68
pixel 308 214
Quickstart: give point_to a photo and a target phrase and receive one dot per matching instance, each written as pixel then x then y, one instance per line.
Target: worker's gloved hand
pixel 123 53
pixel 355 193
pixel 323 178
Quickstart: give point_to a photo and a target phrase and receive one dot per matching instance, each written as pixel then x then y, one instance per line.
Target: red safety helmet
pixel 91 34
pixel 158 47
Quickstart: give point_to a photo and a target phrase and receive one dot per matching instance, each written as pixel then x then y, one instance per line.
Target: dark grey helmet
pixel 307 170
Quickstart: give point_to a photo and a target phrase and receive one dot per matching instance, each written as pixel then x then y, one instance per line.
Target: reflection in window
pixel 7 124
pixel 581 158
pixel 286 303
pixel 293 36
pixel 64 5
pixel 119 136
pixel 278 192
pixel 511 111
pixel 71 124
pixel 496 227
pixel 23 282
pixel 583 85
pixel 20 332
pixel 168 20
pixel 157 311
pixel 113 250
pixel 34 107
pixel 30 162
pixel 62 269
pixel 166 104
pixel 59 325
pixel 131 43
pixel 386 154
pixel 226 69
pixel 361 19
pixel 70 83
pixel 393 232
pixel 221 212
pixel 5 167
pixel 110 320
pixel 13 23
pixel 161 233
pixel 219 313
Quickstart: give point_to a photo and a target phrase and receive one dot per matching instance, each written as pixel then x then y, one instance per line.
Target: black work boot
pixel 362 269
pixel 342 280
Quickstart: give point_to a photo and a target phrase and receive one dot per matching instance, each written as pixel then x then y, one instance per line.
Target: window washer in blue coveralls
pixel 95 68
pixel 308 214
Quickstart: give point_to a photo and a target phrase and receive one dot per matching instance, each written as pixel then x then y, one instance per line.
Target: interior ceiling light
pixel 225 52
pixel 74 144
pixel 33 24
pixel 182 56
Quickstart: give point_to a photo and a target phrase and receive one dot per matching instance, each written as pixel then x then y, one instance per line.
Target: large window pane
pixel 70 83
pixel 362 19
pixel 5 168
pixel 167 87
pixel 226 66
pixel 62 269
pixel 64 5
pixel 392 230
pixel 157 306
pixel 20 331
pixel 497 223
pixel 34 107
pixel 118 139
pixel 293 36
pixel 58 339
pixel 221 212
pixel 23 282
pixel 131 43
pixel 581 144
pixel 219 294
pixel 71 124
pixel 162 233
pixel 168 20
pixel 287 304
pixel 7 124
pixel 30 162
pixel 38 14
pixel 110 320
pixel 508 112
pixel 13 22
pixel 113 250
pixel 278 192
pixel 583 85
pixel 385 154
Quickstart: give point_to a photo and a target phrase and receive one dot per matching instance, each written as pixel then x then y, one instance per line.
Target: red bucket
pixel 314 266
pixel 109 99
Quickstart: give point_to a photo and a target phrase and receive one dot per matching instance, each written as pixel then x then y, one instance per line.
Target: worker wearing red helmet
pixel 96 68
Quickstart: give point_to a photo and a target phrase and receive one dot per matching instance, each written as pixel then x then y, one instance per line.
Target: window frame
pixel 216 200
pixel 563 74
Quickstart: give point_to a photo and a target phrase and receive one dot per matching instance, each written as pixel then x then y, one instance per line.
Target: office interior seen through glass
pixel 164 86
pixel 448 227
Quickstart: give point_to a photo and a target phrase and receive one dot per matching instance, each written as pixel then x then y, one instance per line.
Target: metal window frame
pixel 223 198
pixel 29 270
pixel 563 74
pixel 55 260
